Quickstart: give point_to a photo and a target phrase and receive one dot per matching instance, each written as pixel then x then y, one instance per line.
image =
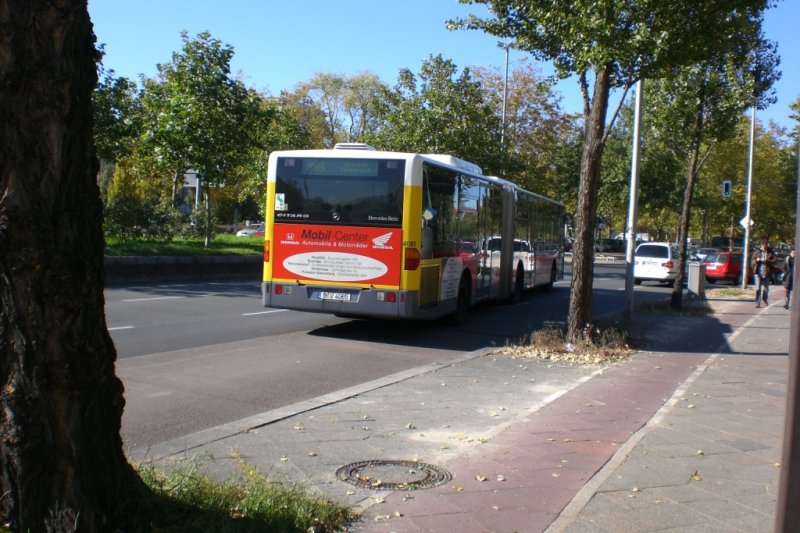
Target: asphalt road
pixel 193 356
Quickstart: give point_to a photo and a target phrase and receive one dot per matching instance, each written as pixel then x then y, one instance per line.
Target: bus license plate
pixel 338 296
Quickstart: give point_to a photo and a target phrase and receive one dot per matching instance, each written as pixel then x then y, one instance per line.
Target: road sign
pixel 743 222
pixel 726 188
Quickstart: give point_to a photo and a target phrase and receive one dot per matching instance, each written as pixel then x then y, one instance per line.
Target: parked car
pixel 702 253
pixel 725 266
pixel 655 261
pixel 254 230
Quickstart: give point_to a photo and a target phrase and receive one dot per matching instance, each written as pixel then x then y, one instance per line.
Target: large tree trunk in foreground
pixel 580 297
pixel 61 459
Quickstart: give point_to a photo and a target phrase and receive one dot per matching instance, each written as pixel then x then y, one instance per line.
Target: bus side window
pixel 440 203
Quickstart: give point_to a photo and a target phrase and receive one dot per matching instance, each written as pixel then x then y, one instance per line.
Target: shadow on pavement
pixel 494 325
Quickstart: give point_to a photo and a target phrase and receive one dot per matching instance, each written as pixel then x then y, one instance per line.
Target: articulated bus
pixel 363 233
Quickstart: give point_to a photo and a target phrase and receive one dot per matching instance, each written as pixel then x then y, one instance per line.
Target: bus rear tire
pixel 463 301
pixel 550 283
pixel 519 286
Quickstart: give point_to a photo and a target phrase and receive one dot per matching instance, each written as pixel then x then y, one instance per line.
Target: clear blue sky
pixel 279 43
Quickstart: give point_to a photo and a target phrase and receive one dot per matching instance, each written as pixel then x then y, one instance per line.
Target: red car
pixel 724 266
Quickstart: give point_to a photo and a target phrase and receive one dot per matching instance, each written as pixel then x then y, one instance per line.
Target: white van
pixel 655 261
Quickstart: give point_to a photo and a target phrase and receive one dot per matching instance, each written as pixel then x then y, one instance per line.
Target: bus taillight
pixel 412 259
pixel 266 251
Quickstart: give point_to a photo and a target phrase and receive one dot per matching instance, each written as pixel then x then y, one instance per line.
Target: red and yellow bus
pixel 364 233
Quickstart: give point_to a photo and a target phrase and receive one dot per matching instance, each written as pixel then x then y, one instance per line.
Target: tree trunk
pixel 208 216
pixel 175 180
pixel 676 300
pixel 61 462
pixel 580 298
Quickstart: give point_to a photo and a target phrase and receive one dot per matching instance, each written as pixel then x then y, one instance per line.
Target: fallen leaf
pixel 350 492
pixel 284 458
pixel 458 488
pixel 501 477
pixel 410 426
pixel 379 499
pixel 555 474
pixel 691 406
pixel 398 514
pixel 700 452
pixel 635 489
pixel 312 454
pixel 480 477
pixel 695 476
pixel 495 507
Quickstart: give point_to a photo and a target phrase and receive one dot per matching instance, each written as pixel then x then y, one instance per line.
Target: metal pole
pixel 747 222
pixel 198 195
pixel 787 516
pixel 506 46
pixel 633 202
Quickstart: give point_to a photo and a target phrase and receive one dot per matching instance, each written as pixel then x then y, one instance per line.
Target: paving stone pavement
pixel 684 436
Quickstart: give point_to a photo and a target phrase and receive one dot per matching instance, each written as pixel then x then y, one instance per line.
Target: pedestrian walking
pixel 763 264
pixel 788 278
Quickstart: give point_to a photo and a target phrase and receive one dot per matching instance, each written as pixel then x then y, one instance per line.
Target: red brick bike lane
pixel 523 478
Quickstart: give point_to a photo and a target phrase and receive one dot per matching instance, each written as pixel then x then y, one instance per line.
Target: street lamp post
pixel 633 202
pixel 505 46
pixel 748 223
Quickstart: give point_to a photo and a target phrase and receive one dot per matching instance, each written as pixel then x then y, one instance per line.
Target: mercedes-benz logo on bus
pixel 335 215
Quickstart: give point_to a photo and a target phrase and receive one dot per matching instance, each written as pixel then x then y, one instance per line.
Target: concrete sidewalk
pixel 685 436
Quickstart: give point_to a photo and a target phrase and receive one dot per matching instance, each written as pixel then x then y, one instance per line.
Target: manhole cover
pixel 393 475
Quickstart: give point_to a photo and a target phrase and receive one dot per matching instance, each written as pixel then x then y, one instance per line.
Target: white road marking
pixel 155 298
pixel 120 327
pixel 265 312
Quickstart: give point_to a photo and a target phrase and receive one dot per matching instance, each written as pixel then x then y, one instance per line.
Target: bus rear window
pixel 361 192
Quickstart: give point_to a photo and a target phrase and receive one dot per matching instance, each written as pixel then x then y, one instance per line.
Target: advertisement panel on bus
pixel 340 254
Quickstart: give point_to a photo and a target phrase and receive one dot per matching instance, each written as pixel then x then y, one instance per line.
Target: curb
pixel 132 269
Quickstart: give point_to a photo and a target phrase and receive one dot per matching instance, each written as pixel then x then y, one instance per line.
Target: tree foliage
pixel 339 108
pixel 197 116
pixel 116 111
pixel 537 131
pixel 439 110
